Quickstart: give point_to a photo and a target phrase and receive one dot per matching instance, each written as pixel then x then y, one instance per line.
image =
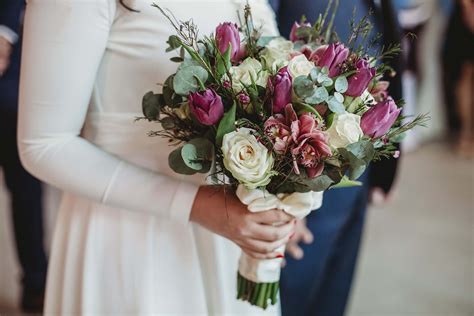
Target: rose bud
pixel 228 34
pixel 281 88
pixel 296 26
pixel 359 81
pixel 333 56
pixel 206 106
pixel 377 121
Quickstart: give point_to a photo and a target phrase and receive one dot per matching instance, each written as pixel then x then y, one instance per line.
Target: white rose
pixel 248 160
pixel 277 53
pixel 300 66
pixel 250 69
pixel 345 130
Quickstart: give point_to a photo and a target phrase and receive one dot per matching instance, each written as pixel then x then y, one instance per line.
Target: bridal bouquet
pixel 278 120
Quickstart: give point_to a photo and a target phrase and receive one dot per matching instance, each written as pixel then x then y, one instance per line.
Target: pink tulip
pixel 228 34
pixel 359 81
pixel 333 56
pixel 281 88
pixel 296 26
pixel 377 121
pixel 206 106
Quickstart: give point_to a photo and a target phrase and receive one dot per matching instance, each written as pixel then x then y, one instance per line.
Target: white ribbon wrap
pixel 297 204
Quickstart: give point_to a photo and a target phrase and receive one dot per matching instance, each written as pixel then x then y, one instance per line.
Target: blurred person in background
pixel 458 66
pixel 319 283
pixel 25 190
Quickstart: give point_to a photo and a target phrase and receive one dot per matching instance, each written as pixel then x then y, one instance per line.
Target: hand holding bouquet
pixel 278 120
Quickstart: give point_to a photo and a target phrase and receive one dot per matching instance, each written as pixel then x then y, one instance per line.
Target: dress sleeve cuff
pixel 8 34
pixel 182 203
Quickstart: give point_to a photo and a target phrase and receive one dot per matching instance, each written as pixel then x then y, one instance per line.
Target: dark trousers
pixel 26 205
pixel 320 283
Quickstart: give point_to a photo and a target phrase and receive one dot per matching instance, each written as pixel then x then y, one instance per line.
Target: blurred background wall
pixel 418 251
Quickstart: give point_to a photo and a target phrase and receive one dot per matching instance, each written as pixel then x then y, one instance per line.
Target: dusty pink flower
pixel 310 146
pixel 296 26
pixel 279 132
pixel 380 90
pixel 301 135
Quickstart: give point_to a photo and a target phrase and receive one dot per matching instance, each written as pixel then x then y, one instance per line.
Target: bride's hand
pixel 223 213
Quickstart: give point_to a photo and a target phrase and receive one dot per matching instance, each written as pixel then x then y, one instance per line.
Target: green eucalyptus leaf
pixel 327 82
pixel 226 125
pixel 319 95
pixel 339 97
pixel 173 43
pixel 168 123
pixel 177 59
pixel 177 164
pixel 359 156
pixel 320 183
pixel 151 105
pixel 185 80
pixel 347 183
pixel 303 87
pixel 265 40
pixel 336 106
pixel 314 74
pixel 341 84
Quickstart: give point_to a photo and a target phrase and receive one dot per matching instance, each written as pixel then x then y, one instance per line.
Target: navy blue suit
pixel 25 190
pixel 320 283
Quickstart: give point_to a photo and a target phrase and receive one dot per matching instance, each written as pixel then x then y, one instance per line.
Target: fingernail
pixel 280 256
pixel 292 234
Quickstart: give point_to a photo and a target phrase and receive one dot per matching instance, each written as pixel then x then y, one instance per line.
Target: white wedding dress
pixel 122 244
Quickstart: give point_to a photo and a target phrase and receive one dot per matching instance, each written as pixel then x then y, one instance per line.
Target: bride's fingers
pixel 271 217
pixel 257 255
pixel 263 247
pixel 272 233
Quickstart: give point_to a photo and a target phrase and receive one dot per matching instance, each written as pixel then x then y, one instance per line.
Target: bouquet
pixel 279 121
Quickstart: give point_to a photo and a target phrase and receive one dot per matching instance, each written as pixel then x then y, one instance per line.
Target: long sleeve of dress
pixel 64 42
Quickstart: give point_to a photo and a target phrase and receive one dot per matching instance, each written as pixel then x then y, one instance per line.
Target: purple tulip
pixel 206 106
pixel 228 34
pixel 359 81
pixel 377 121
pixel 281 87
pixel 333 56
pixel 296 26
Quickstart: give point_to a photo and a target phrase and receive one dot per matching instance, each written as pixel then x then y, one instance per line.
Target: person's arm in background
pixel 10 11
pixel 383 173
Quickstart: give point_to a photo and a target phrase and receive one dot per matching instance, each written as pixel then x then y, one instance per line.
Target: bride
pixel 131 236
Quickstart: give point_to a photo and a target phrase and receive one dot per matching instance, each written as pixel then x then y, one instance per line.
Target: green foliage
pixel 176 163
pixel 195 156
pixel 341 84
pixel 188 78
pixel 173 43
pixel 224 61
pixel 303 87
pixel 359 156
pixel 320 95
pixel 151 105
pixel 227 124
pixel 335 106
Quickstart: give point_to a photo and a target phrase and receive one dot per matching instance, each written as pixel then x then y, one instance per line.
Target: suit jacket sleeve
pixel 10 11
pixel 383 173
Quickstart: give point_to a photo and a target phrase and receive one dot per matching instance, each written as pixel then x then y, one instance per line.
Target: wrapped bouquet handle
pixel 258 279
